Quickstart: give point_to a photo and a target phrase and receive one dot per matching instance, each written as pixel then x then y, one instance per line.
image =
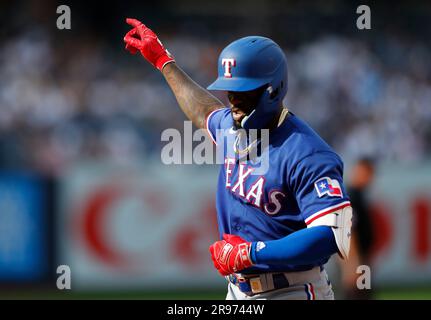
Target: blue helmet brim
pixel 237 84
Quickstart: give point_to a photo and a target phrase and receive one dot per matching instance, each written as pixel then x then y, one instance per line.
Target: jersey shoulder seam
pixel 309 155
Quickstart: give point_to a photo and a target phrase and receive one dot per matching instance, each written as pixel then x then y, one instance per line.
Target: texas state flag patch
pixel 328 186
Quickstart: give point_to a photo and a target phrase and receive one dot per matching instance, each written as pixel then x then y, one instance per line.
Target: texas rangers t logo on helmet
pixel 328 186
pixel 228 64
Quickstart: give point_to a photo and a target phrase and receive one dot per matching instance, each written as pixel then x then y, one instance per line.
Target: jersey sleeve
pixel 214 120
pixel 317 183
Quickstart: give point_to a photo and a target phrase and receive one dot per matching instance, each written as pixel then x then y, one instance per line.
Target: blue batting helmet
pixel 250 63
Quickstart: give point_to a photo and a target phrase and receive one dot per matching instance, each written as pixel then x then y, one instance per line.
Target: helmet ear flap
pixel 274 93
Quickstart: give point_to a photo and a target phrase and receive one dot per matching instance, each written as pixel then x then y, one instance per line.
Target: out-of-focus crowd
pixel 61 103
pixel 366 100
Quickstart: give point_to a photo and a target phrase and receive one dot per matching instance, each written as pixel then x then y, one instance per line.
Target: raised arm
pixel 195 101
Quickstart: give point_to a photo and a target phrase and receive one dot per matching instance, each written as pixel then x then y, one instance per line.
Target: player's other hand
pixel 143 39
pixel 230 255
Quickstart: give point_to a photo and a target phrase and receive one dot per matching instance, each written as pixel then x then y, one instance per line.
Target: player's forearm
pixel 307 246
pixel 195 101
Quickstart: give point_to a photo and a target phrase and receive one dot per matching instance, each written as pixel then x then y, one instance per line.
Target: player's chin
pixel 237 124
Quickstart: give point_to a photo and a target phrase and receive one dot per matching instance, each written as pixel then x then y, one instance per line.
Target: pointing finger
pixel 134 22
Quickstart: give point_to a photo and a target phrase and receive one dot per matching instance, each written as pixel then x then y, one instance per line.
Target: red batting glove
pixel 143 39
pixel 231 255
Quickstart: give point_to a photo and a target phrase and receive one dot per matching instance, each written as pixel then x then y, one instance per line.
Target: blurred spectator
pixel 362 175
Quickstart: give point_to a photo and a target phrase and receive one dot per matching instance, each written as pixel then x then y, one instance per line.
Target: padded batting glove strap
pixel 230 255
pixel 143 39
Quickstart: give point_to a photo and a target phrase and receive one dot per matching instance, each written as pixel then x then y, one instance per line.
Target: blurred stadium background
pixel 81 181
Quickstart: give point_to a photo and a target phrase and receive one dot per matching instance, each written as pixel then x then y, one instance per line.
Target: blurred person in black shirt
pixel 362 176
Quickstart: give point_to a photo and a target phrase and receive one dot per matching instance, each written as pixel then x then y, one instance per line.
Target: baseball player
pixel 279 228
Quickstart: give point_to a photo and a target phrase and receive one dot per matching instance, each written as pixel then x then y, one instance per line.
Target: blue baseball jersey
pixel 303 182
